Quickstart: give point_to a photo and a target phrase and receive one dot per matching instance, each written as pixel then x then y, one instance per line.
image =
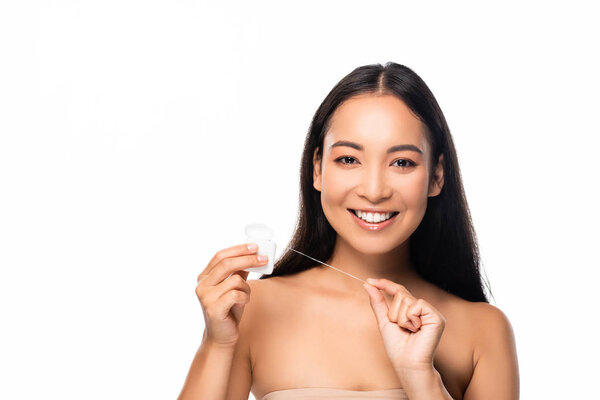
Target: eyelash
pixel 411 163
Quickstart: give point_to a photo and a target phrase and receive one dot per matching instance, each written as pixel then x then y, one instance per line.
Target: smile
pixel 373 221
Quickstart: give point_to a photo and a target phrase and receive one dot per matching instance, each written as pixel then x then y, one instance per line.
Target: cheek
pixel 335 185
pixel 413 188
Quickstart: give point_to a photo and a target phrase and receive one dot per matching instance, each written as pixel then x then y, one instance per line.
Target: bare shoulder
pixel 258 317
pixel 263 299
pixel 494 327
pixel 261 314
pixel 254 309
pixel 262 283
pixel 489 312
pixel 490 318
pixel 477 314
pixel 496 370
pixel 257 294
pixel 261 290
pixel 260 287
pixel 268 297
pixel 488 322
pixel 252 319
pixel 256 285
pixel 477 349
pixel 269 288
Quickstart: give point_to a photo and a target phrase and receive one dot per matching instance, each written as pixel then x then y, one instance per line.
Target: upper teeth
pixel 373 217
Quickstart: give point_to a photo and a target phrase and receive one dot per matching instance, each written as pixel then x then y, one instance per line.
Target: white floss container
pixel 262 235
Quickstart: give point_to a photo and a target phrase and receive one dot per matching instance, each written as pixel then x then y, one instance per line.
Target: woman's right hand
pixel 223 297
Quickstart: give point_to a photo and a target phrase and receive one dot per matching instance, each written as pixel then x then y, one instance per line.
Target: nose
pixel 374 185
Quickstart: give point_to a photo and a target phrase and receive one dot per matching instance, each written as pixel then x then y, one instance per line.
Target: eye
pixel 410 163
pixel 339 160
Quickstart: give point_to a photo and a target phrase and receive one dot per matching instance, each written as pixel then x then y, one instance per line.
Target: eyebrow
pixel 392 149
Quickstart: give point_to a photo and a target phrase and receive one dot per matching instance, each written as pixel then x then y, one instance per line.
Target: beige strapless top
pixel 337 394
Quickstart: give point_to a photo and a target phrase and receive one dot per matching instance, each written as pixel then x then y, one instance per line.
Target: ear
pixel 438 181
pixel 316 170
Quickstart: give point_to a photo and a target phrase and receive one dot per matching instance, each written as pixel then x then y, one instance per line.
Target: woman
pixel 381 197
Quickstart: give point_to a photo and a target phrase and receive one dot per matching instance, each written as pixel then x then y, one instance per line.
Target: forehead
pixel 376 121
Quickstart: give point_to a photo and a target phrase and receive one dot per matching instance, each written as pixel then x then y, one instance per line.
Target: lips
pixel 373 226
pixel 380 216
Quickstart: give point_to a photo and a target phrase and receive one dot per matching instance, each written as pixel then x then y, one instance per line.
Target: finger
pixel 228 266
pixel 426 313
pixel 404 320
pixel 396 307
pixel 233 251
pixel 389 287
pixel 230 299
pixel 378 304
pixel 413 316
pixel 243 274
pixel 211 294
pixel 386 285
pixel 237 310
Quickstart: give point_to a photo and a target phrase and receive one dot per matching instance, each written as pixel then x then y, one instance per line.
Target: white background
pixel 139 137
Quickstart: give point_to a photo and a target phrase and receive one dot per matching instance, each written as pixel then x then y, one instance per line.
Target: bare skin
pixel 315 336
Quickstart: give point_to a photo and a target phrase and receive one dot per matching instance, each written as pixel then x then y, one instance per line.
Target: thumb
pixel 378 304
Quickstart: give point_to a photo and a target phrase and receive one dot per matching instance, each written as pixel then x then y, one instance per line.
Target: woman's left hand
pixel 411 328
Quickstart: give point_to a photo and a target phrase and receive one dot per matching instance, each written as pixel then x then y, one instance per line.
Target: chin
pixel 373 247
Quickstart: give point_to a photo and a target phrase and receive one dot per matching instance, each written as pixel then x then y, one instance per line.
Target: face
pixel 357 172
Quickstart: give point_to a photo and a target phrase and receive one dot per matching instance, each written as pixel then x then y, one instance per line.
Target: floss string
pixel 321 262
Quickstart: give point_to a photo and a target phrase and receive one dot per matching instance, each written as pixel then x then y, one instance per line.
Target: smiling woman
pixel 381 197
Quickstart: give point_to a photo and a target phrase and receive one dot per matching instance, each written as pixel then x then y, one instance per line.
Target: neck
pixel 394 265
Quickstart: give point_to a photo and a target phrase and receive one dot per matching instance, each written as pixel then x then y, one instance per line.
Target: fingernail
pixel 262 258
pixel 252 246
pixel 371 280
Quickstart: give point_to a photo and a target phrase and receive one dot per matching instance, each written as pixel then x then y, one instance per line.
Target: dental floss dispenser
pixel 262 235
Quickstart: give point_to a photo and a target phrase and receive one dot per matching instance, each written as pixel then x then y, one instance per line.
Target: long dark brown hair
pixel 443 248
